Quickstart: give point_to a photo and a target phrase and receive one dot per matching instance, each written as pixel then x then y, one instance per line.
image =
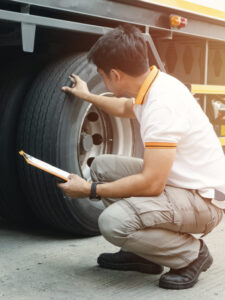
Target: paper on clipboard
pixel 45 166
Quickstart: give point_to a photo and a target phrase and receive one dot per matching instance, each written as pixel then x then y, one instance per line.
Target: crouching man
pixel 152 205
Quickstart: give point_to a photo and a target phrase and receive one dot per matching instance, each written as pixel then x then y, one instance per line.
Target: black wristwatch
pixel 93 194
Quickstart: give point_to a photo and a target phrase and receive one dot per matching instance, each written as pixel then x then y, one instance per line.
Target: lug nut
pixel 92 117
pixel 97 139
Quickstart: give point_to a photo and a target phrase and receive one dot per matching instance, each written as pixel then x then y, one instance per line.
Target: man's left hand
pixel 76 187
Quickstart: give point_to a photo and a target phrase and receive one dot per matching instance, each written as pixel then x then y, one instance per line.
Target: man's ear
pixel 115 74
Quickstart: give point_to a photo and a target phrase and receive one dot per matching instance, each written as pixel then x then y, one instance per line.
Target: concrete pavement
pixel 38 265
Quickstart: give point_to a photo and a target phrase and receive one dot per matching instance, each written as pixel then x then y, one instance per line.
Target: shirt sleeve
pixel 163 128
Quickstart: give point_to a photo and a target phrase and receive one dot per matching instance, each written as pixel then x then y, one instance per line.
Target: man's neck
pixel 135 84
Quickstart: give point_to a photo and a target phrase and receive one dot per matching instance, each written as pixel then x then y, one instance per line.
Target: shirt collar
pixel 142 93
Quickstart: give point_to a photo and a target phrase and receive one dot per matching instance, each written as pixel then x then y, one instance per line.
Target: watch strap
pixel 93 194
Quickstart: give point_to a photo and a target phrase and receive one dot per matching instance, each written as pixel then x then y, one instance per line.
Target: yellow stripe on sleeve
pixel 160 145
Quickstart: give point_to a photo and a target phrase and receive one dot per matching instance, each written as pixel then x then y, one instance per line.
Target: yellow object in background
pixel 222 130
pixel 222 141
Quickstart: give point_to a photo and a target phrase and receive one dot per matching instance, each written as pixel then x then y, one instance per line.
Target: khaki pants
pixel 156 228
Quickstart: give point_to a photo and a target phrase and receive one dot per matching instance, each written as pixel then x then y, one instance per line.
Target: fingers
pixel 73 81
pixel 64 185
pixel 66 89
pixel 74 78
pixel 73 176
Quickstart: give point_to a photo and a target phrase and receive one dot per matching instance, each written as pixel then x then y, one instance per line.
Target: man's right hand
pixel 79 87
pixel 119 107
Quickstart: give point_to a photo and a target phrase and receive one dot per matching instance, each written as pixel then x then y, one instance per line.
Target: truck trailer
pixel 41 43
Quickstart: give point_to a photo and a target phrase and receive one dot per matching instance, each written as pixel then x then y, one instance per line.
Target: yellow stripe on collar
pixel 141 96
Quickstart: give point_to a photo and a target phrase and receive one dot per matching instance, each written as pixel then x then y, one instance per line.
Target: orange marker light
pixel 178 21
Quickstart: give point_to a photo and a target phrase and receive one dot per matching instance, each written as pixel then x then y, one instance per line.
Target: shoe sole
pixel 176 286
pixel 129 267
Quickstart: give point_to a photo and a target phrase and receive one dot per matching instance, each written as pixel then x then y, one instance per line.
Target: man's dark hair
pixel 122 48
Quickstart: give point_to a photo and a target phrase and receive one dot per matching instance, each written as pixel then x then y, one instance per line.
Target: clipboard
pixel 61 175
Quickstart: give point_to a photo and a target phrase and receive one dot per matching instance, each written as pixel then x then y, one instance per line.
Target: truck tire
pixel 14 84
pixel 68 133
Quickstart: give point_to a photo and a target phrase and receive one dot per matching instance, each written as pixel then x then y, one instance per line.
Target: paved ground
pixel 36 265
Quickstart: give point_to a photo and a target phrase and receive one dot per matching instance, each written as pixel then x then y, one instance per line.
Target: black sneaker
pixel 187 277
pixel 127 261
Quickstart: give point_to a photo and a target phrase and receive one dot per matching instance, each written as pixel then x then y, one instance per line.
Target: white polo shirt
pixel 170 118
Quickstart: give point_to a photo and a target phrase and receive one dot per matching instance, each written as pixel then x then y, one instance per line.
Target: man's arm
pixel 119 107
pixel 150 182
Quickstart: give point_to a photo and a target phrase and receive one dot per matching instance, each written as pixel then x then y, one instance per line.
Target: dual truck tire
pixel 61 130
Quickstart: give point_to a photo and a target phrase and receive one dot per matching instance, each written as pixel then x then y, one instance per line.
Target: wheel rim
pixel 102 134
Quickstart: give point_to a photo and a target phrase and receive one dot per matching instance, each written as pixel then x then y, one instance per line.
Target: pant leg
pixel 109 167
pixel 158 228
